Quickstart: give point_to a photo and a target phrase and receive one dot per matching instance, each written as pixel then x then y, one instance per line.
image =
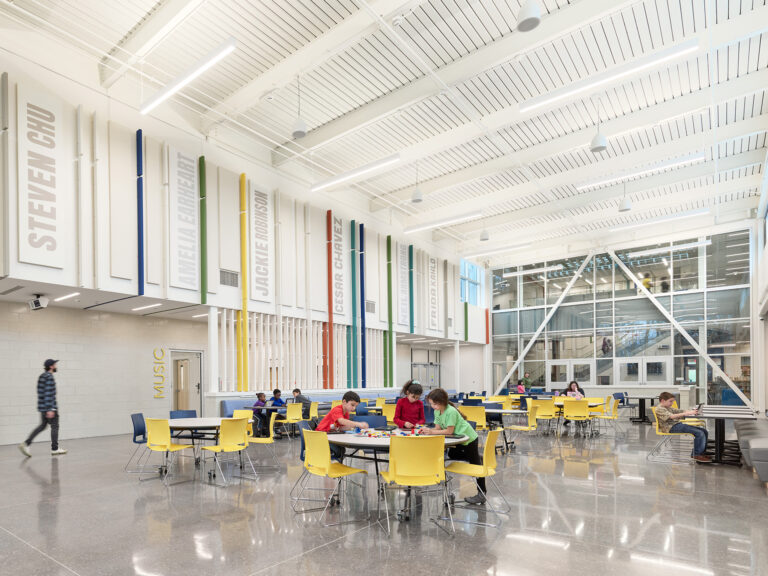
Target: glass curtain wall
pixel 606 332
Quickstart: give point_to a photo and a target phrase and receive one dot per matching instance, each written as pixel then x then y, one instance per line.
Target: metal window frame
pixel 717 371
pixel 546 320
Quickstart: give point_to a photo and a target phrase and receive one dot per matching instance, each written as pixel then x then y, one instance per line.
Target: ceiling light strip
pixel 625 71
pixel 669 249
pixel 356 173
pixel 147 307
pixel 180 81
pixel 67 297
pixel 554 268
pixel 692 214
pixel 675 163
pixel 443 222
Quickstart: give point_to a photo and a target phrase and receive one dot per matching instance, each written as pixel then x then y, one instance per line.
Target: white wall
pixel 471 369
pixel 106 369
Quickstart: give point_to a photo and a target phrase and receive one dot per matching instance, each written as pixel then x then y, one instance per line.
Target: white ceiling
pixel 441 83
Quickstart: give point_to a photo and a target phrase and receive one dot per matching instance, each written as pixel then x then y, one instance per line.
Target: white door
pixel 560 372
pixel 650 371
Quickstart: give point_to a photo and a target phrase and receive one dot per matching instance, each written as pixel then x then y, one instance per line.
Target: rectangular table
pixel 720 414
pixel 642 417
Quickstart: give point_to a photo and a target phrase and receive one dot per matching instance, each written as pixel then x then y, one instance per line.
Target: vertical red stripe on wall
pixel 487 326
pixel 325 355
pixel 328 340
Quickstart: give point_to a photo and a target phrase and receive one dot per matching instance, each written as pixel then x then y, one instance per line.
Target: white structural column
pixel 213 349
pixel 547 318
pixel 717 371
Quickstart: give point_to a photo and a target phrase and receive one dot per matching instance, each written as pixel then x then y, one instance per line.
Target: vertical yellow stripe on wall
pixel 244 284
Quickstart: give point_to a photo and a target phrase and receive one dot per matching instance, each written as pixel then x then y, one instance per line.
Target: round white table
pixel 195 423
pixel 381 444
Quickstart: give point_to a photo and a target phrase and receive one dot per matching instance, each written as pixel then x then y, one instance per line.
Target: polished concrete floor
pixel 578 507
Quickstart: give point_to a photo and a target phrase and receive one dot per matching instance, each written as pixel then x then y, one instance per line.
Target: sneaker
pixel 702 458
pixel 476 499
pixel 25 449
pixel 58 451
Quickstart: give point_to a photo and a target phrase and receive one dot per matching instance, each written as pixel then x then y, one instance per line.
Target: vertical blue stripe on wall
pixel 362 306
pixel 353 253
pixel 140 205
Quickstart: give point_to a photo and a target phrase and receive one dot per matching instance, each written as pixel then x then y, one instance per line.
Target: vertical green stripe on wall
pixel 349 357
pixel 466 322
pixel 388 343
pixel 353 254
pixel 410 285
pixel 203 232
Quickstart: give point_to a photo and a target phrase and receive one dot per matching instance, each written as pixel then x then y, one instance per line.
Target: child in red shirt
pixel 410 410
pixel 338 419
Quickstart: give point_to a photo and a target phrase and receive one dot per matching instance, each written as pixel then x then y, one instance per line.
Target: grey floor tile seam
pixel 36 549
pixel 315 549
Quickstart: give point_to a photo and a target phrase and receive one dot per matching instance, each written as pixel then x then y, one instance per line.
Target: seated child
pixel 339 419
pixel 258 415
pixel 410 409
pixel 449 421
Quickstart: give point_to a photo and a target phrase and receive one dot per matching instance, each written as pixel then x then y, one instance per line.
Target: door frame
pixel 569 371
pixel 201 356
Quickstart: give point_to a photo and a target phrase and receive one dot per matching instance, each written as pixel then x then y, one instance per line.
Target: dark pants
pixel 468 453
pixel 54 422
pixel 337 452
pixel 699 436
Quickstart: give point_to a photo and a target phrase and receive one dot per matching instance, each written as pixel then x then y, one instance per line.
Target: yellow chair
pixel 476 397
pixel 663 451
pixel 380 402
pixel 233 437
pixel 291 417
pixel 416 461
pixel 317 461
pixel 477 415
pixel 313 412
pixel 248 415
pixel 611 415
pixel 600 408
pixel 576 410
pixel 501 399
pixel 545 410
pixel 335 403
pixel 159 440
pixel 530 427
pixel 388 411
pixel 485 470
pixel 268 441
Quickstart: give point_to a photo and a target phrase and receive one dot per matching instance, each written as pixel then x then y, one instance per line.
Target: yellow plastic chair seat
pixel 336 470
pixel 426 480
pixel 467 469
pixel 261 440
pixel 225 448
pixel 168 447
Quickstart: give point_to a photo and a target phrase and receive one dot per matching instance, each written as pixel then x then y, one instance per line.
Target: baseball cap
pixel 48 363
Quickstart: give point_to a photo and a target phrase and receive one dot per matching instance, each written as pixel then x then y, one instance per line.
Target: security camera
pixel 38 303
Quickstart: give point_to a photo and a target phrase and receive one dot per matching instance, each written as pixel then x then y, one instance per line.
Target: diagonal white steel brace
pixel 717 371
pixel 547 318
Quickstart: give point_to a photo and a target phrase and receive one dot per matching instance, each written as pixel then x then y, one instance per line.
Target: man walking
pixel 49 413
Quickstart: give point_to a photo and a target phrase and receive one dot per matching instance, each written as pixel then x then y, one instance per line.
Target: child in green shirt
pixel 449 421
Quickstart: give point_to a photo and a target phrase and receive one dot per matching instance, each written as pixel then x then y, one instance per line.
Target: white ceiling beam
pixel 144 38
pixel 709 194
pixel 558 247
pixel 632 122
pixel 552 27
pixel 348 32
pixel 634 187
pixel 612 166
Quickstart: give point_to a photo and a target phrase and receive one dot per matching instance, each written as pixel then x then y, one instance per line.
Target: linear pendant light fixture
pixel 674 163
pixel 667 249
pixel 691 214
pixel 356 173
pixel 555 268
pixel 495 251
pixel 443 222
pixel 672 53
pixel 180 81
